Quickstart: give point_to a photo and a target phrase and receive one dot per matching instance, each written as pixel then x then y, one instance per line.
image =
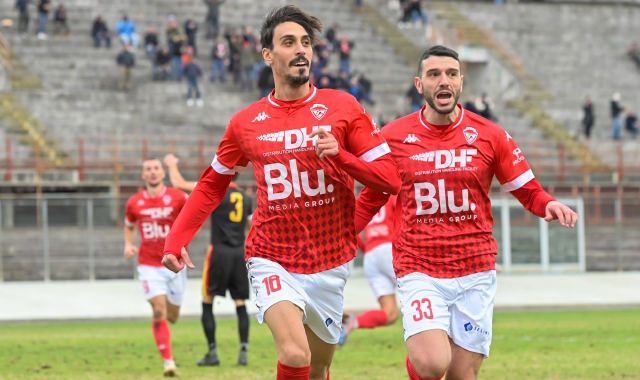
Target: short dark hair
pixel 437 51
pixel 292 13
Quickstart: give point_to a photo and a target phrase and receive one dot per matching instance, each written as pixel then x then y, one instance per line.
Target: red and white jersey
pixel 304 218
pixel 381 229
pixel 446 173
pixel 154 217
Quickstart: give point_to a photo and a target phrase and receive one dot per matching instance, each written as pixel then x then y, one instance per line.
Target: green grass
pixel 531 345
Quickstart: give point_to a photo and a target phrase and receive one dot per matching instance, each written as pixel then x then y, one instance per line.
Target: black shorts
pixel 225 268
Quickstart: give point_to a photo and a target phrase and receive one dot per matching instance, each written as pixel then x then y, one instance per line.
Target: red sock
pixel 413 375
pixel 163 338
pixel 292 373
pixel 372 319
pixel 328 375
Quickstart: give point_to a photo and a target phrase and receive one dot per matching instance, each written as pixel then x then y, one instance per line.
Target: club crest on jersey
pixel 140 202
pixel 318 111
pixel 166 200
pixel 470 134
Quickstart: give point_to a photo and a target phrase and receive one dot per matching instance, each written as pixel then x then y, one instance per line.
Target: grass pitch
pixel 531 345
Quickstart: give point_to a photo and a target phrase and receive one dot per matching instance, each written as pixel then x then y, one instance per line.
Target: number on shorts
pixel 272 283
pixel 422 314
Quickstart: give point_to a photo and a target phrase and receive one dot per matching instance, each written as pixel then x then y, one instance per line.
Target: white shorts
pixel 320 295
pixel 158 281
pixel 463 307
pixel 378 267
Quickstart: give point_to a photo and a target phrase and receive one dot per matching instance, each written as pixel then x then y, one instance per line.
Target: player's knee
pixel 392 315
pixel 430 367
pixel 319 372
pixel 294 356
pixel 159 313
pixel 173 318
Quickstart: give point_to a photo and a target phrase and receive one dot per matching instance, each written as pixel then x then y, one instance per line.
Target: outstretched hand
pixel 326 145
pixel 176 265
pixel 566 216
pixel 170 160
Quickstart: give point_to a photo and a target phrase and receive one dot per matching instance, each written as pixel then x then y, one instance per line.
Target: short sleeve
pixel 364 136
pixel 510 166
pixel 129 214
pixel 229 158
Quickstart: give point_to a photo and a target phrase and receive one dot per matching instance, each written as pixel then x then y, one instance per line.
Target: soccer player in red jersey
pixel 378 267
pixel 155 209
pixel 307 146
pixel 444 254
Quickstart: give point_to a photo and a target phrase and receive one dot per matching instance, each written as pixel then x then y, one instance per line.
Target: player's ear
pixel 461 81
pixel 418 83
pixel 266 54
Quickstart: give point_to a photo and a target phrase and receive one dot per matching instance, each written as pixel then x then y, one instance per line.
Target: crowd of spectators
pixel 44 10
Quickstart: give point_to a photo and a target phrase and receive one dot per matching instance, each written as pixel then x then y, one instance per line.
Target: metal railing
pixel 65 237
pixel 100 155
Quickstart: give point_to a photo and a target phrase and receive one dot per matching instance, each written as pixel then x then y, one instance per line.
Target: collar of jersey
pixel 448 128
pixel 293 103
pixel 161 193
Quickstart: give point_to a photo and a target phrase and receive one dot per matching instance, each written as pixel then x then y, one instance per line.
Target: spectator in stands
pixel 172 32
pixel 151 43
pixel 470 104
pixel 634 53
pixel 589 117
pixel 193 72
pixel 44 6
pixel 213 17
pixel 191 30
pixel 60 25
pixel 415 98
pixel 367 88
pixel 248 35
pixel 258 59
pixel 346 44
pixel 631 123
pixel 219 54
pixel 616 115
pixel 100 32
pixel 247 61
pixel 406 17
pixel 127 32
pixel 417 13
pixel 485 107
pixel 162 69
pixel 332 36
pixel 178 44
pixel 234 41
pixel 358 5
pixel 126 61
pixel 266 82
pixel 22 6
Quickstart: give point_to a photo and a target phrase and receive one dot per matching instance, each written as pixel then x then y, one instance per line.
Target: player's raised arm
pixel 371 165
pixel 206 196
pixel 517 178
pixel 177 180
pixel 368 204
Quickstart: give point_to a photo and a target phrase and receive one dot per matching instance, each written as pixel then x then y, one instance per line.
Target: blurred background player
pixel 378 267
pixel 224 266
pixel 154 210
pixel 444 254
pixel 303 232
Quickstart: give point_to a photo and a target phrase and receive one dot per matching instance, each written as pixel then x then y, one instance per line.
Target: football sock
pixel 292 373
pixel 163 337
pixel 209 324
pixel 372 319
pixel 328 375
pixel 413 375
pixel 243 324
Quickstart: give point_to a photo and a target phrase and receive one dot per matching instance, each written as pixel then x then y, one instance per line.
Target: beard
pixel 302 77
pixel 430 99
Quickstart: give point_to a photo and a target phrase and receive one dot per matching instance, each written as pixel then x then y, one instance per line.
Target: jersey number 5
pixel 272 283
pixel 236 215
pixel 418 304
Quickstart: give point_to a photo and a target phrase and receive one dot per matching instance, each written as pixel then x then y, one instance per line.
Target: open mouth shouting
pixel 300 62
pixel 444 98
